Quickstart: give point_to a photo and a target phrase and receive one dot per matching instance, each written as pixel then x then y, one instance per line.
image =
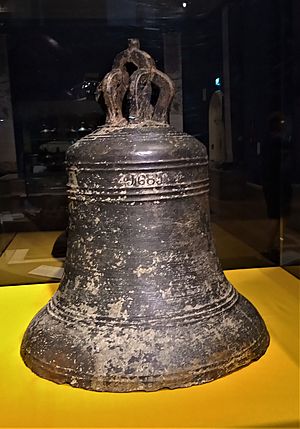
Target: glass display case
pixel 235 65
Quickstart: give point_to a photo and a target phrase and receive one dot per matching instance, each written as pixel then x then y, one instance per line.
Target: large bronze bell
pixel 144 303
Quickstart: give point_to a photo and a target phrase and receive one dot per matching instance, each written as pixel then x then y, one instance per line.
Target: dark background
pixel 54 48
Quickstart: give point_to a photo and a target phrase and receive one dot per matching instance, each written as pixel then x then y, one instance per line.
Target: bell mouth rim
pixel 180 379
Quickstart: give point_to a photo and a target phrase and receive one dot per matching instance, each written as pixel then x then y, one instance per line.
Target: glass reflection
pixel 235 67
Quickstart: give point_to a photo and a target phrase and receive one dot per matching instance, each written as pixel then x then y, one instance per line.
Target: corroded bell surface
pixel 143 304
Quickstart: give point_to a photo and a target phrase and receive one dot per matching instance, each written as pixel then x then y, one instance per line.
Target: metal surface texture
pixel 144 303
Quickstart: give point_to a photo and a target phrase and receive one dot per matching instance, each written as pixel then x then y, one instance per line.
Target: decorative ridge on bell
pixel 137 87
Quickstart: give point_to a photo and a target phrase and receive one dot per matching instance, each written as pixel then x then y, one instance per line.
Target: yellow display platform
pixel 264 394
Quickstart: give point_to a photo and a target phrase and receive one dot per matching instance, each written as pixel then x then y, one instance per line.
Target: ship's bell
pixel 143 304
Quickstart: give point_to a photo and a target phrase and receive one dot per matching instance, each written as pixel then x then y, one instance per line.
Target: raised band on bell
pixel 143 304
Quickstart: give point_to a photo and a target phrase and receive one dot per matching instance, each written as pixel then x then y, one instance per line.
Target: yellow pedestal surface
pixel 264 394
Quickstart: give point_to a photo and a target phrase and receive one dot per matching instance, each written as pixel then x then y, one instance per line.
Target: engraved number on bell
pixel 142 179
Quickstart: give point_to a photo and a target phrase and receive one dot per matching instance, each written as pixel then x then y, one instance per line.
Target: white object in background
pixel 48 271
pixel 9 217
pixel 39 169
pixel 17 256
pixel 217 150
pixel 6 218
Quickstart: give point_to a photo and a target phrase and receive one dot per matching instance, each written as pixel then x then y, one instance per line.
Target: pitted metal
pixel 143 304
pixel 138 88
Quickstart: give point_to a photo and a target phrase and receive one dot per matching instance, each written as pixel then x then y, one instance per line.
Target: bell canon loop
pixel 144 303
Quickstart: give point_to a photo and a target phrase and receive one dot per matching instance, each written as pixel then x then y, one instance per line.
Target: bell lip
pixel 180 379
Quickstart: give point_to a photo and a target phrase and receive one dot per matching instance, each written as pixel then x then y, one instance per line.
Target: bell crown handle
pixel 119 86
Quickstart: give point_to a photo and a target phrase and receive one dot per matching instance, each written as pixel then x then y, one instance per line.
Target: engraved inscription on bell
pixel 143 304
pixel 130 180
